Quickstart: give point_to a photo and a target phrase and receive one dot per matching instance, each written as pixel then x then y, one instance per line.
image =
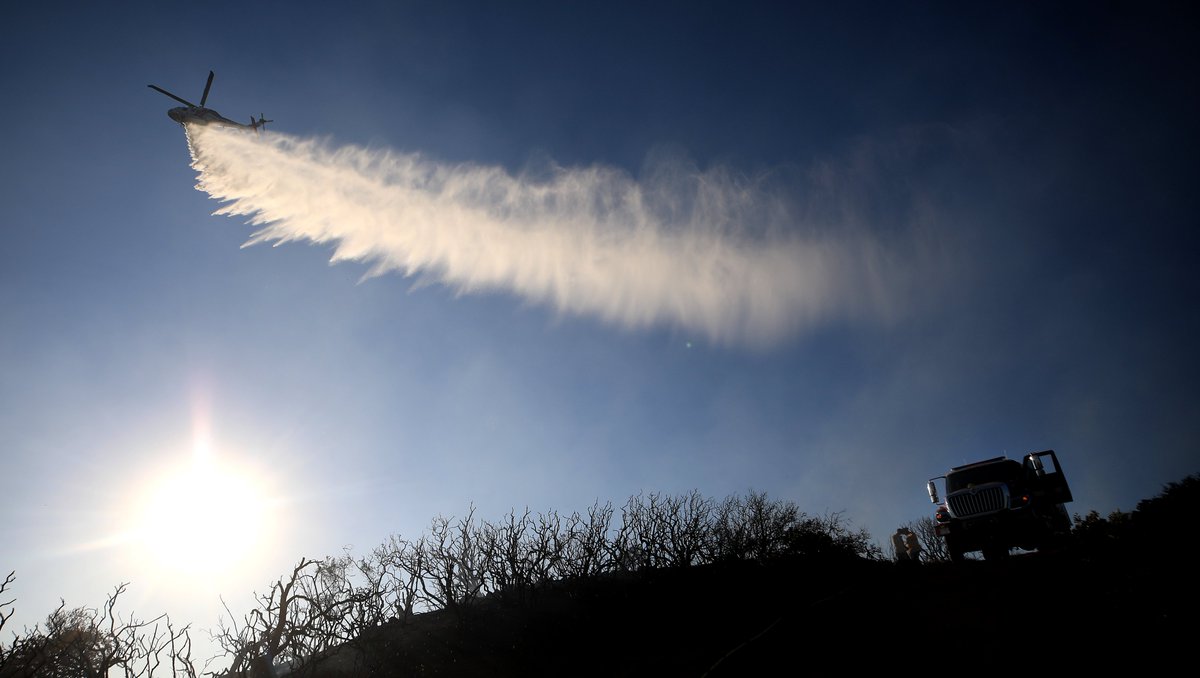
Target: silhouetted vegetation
pixel 1156 525
pixel 95 643
pixel 462 561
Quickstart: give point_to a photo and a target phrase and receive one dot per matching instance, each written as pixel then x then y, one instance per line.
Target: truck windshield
pixel 1007 471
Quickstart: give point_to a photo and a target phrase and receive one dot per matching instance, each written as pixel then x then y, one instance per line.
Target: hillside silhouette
pixel 678 585
pixel 1124 579
pixel 756 619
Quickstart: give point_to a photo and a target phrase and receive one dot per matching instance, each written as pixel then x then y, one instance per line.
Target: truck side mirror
pixel 931 487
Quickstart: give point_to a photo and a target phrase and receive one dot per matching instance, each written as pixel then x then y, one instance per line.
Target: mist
pixel 710 252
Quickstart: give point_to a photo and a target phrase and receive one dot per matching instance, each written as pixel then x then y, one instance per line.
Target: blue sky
pixel 1024 175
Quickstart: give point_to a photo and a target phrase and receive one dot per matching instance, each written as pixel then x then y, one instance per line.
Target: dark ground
pixel 1061 610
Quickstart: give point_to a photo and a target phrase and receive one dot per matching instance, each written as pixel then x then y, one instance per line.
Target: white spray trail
pixel 704 251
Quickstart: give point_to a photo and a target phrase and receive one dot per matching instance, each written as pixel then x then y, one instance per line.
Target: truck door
pixel 1046 478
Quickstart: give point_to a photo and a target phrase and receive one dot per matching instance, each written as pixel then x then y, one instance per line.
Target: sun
pixel 205 516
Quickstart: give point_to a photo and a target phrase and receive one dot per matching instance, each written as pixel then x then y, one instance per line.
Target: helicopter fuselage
pixel 198 115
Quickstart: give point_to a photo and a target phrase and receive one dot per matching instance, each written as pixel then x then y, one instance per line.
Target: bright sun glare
pixel 205 516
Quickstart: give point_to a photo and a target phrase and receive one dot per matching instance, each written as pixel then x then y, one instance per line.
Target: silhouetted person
pixel 913 547
pixel 899 547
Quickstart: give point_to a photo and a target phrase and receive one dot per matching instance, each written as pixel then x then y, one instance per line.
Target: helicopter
pixel 190 113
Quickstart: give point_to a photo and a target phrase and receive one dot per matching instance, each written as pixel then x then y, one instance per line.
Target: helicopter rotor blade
pixel 207 86
pixel 182 101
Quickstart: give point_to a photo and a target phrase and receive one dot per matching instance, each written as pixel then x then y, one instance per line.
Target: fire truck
pixel 997 504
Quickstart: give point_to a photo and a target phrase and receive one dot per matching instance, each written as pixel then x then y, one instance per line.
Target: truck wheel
pixel 956 554
pixel 995 553
pixel 1062 520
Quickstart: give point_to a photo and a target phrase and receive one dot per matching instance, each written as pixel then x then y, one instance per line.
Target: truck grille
pixel 980 501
